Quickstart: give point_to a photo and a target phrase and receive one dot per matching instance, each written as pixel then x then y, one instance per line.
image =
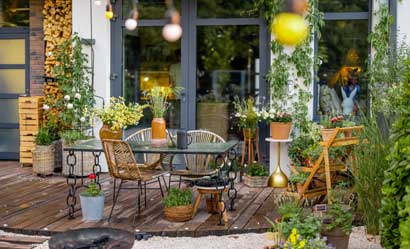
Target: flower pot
pixel 256 181
pixel 280 130
pixel 179 213
pixel 159 134
pixel 107 133
pixel 43 160
pixel 337 237
pixel 326 134
pixel 348 133
pixel 213 117
pixel 92 207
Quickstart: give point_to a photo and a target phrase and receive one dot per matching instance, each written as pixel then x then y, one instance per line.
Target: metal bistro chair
pixel 198 166
pixel 123 166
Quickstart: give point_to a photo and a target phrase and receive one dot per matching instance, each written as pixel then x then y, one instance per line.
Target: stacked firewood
pixel 57 29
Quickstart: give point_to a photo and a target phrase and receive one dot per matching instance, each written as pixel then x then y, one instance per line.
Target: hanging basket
pixel 280 130
pixel 43 160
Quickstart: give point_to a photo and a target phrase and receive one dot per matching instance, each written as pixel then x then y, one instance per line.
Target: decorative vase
pixel 327 133
pixel 107 133
pixel 280 130
pixel 337 237
pixel 159 134
pixel 278 179
pixel 179 213
pixel 92 207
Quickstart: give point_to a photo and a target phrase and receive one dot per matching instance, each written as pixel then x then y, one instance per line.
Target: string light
pixel 97 2
pixel 172 31
pixel 132 22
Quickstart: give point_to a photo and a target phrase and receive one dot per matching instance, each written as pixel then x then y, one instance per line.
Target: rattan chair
pixel 198 166
pixel 123 166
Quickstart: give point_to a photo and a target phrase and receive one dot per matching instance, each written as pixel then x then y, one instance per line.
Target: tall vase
pixel 159 134
pixel 107 133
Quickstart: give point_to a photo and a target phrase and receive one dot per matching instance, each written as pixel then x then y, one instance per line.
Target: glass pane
pixel 14 13
pixel 225 9
pixel 228 65
pixel 9 111
pixel 9 140
pixel 343 50
pixel 148 9
pixel 12 81
pixel 344 5
pixel 151 61
pixel 12 51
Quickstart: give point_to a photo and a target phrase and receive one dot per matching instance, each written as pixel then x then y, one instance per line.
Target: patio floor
pixel 35 205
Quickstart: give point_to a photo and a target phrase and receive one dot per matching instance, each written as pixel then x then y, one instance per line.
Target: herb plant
pixel 256 169
pixel 339 217
pixel 92 188
pixel 43 137
pixel 298 178
pixel 178 197
pixel 308 226
pixel 289 209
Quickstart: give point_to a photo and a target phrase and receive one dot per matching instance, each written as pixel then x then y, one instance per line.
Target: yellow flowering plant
pixel 119 115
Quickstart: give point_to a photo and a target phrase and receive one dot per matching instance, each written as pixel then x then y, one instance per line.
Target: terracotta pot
pixel 326 134
pixel 159 134
pixel 348 133
pixel 107 133
pixel 179 213
pixel 280 130
pixel 337 237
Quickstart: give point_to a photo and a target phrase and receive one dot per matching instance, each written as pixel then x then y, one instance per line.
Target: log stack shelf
pixel 30 118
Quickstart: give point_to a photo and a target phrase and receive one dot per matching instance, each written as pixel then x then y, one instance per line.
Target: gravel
pixel 358 240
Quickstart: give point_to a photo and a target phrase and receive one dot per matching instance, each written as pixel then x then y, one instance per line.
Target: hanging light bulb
pixel 97 2
pixel 172 31
pixel 132 22
pixel 109 14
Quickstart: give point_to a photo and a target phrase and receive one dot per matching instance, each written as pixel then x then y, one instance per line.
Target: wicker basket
pixel 85 158
pixel 43 160
pixel 179 213
pixel 256 181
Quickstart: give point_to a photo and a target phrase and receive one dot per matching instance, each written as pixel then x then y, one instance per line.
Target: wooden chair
pixel 122 166
pixel 197 166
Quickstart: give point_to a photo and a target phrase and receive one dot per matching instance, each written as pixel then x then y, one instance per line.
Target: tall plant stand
pixel 248 150
pixel 323 164
pixel 278 179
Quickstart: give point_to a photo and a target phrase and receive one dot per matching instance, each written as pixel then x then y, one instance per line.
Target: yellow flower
pixel 302 244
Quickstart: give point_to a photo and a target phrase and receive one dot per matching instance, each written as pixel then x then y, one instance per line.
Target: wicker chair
pixel 197 166
pixel 122 166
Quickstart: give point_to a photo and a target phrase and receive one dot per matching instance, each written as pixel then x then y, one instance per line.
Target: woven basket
pixel 179 213
pixel 256 181
pixel 43 160
pixel 86 158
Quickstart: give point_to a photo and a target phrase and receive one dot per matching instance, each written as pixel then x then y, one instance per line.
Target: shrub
pixel 43 137
pixel 178 197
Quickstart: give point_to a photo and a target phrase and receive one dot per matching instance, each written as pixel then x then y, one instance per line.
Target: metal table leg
pixel 71 182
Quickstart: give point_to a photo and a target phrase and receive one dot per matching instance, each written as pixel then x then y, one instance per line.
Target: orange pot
pixel 280 130
pixel 107 133
pixel 326 134
pixel 159 134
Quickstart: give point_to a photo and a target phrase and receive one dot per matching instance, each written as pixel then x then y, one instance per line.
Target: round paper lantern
pixel 109 14
pixel 131 24
pixel 290 29
pixel 172 32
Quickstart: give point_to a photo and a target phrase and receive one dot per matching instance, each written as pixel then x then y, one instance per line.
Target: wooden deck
pixel 35 205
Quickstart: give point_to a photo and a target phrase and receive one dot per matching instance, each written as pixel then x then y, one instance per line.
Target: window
pixel 343 50
pixel 14 13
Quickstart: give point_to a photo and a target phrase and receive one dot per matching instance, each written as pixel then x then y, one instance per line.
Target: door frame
pixel 15 33
pixel 190 23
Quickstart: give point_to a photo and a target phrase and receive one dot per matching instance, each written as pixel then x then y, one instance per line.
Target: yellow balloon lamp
pixel 109 14
pixel 290 29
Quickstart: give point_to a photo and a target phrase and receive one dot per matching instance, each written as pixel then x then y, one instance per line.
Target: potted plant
pixel 280 122
pixel 248 117
pixel 256 176
pixel 43 154
pixel 288 209
pixel 329 124
pixel 118 116
pixel 92 201
pixel 157 99
pixel 178 205
pixel 337 225
pixel 297 179
pixel 348 122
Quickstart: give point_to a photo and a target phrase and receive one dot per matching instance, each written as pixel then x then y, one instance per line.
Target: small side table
pixel 278 179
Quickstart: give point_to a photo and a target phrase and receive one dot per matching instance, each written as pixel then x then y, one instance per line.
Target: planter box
pixel 92 207
pixel 256 181
pixel 179 213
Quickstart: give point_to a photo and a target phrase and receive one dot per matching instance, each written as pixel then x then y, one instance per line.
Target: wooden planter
pixel 256 181
pixel 43 160
pixel 326 134
pixel 280 130
pixel 179 213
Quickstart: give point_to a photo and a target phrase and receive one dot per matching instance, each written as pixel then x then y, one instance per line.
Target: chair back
pixel 120 159
pixel 144 136
pixel 198 163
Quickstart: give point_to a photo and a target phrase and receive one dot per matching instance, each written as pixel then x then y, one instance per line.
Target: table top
pixel 94 145
pixel 271 140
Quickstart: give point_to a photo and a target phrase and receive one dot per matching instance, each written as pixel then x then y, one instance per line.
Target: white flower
pixel 67 97
pixel 69 106
pixel 243 116
pixel 82 119
pixel 46 107
pixel 77 96
pixel 237 115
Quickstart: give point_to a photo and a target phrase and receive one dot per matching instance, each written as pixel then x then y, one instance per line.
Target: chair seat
pixel 193 173
pixel 147 174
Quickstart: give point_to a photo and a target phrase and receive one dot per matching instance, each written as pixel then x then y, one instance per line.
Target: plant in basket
pixel 178 205
pixel 256 176
pixel 92 201
pixel 279 120
pixel 43 154
pixel 245 111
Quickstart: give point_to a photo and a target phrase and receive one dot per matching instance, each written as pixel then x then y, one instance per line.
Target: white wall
pixel 403 21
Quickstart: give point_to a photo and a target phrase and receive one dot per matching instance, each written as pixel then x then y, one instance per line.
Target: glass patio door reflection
pixel 218 57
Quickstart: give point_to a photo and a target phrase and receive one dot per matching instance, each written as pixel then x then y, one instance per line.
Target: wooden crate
pixel 30 118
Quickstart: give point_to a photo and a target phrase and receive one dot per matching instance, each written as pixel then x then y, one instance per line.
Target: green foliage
pixel 298 178
pixel 245 112
pixel 43 137
pixel 340 217
pixel 308 226
pixel 177 197
pixel 289 209
pixel 396 191
pixel 71 136
pixel 157 99
pixel 256 169
pixel 305 148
